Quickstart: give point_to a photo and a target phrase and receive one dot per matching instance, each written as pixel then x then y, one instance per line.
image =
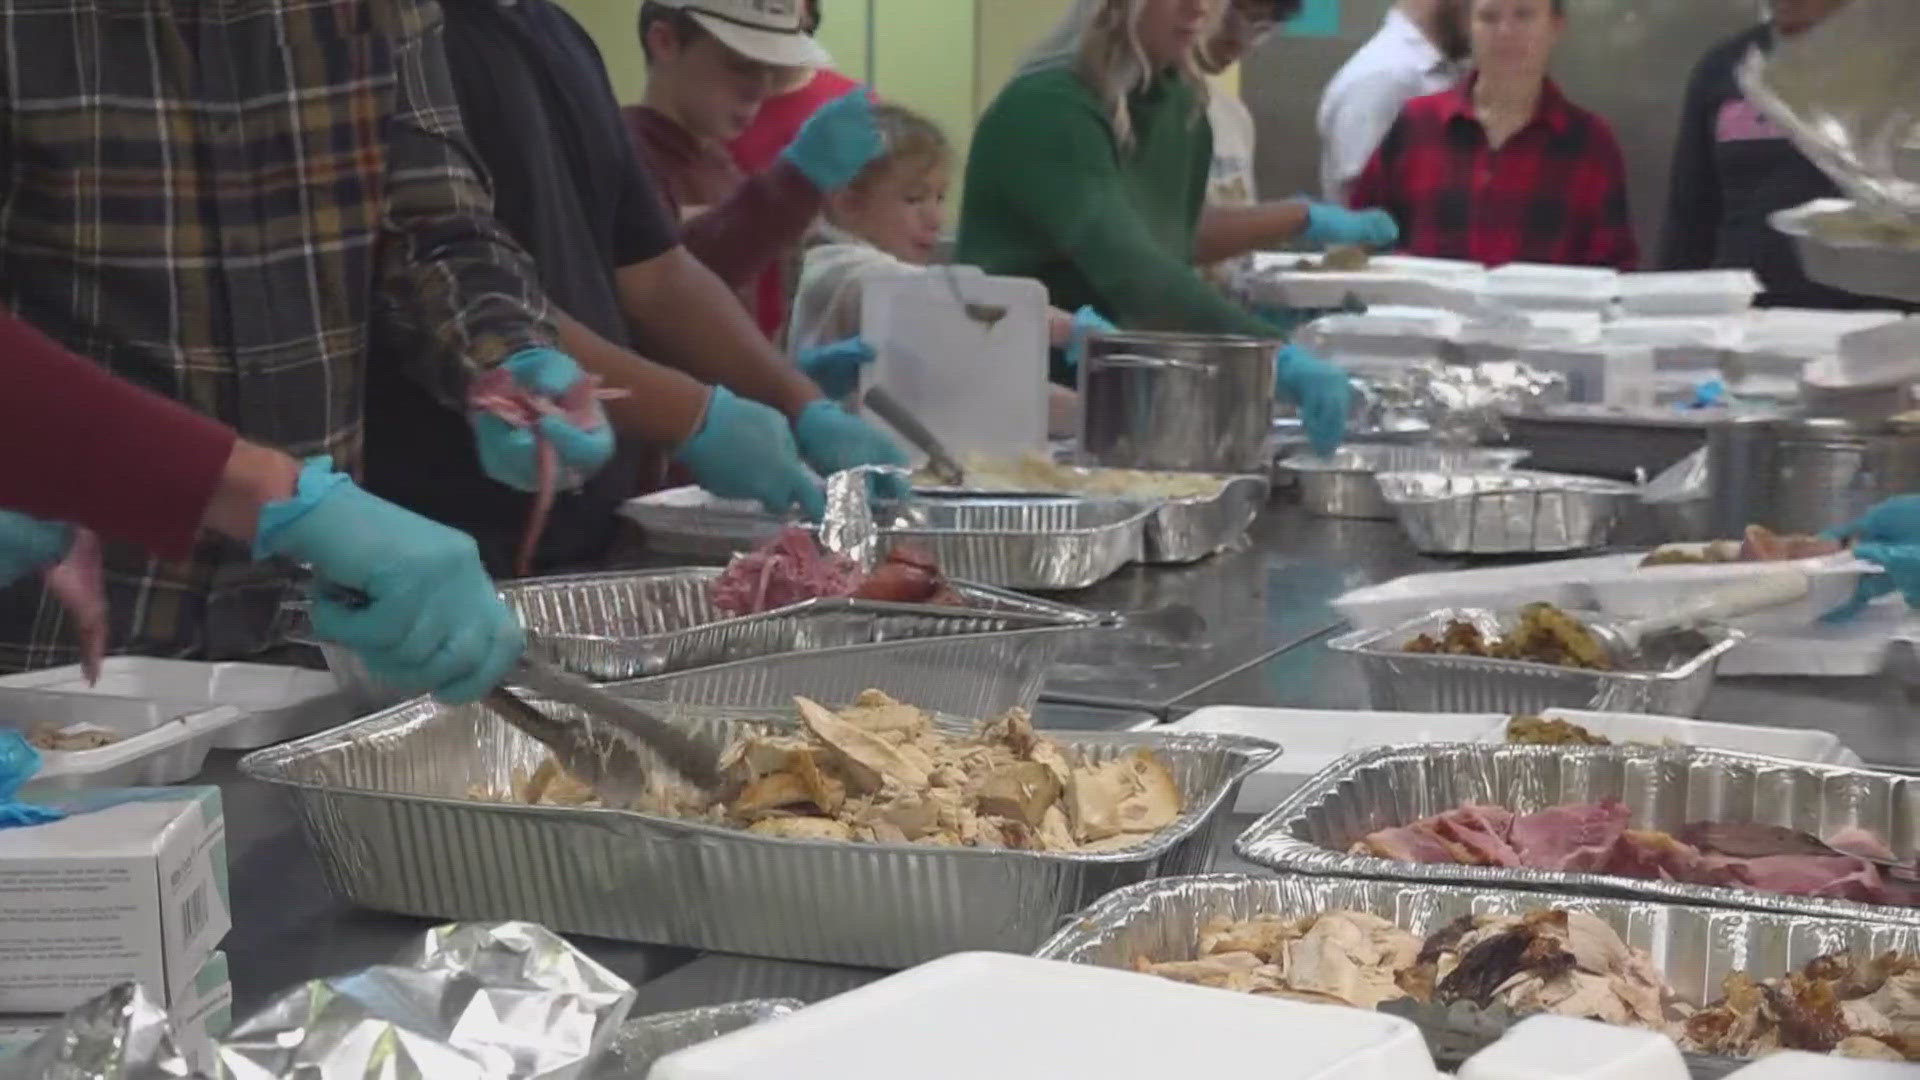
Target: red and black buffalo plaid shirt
pixel 1555 193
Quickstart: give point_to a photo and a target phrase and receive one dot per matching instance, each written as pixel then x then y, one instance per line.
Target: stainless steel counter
pixel 1268 616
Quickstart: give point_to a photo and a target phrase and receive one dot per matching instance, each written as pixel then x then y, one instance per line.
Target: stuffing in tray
pixel 879 771
pixel 1340 258
pixel 1543 731
pixel 1564 963
pixel 1545 635
pixel 1760 545
pixel 793 568
pixel 1037 473
pixel 72 737
pixel 1594 838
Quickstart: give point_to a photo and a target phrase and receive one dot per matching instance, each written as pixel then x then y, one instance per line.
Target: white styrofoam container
pixel 1627 588
pixel 1556 288
pixel 1312 739
pixel 1562 1048
pixel 1620 375
pixel 1854 649
pixel 1696 346
pixel 975 1015
pixel 278 702
pixel 1800 1065
pixel 160 743
pixel 980 389
pixel 1390 603
pixel 1688 292
pixel 1435 269
pixel 1881 356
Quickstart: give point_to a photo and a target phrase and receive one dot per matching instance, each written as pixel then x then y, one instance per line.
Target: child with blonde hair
pixel 889 221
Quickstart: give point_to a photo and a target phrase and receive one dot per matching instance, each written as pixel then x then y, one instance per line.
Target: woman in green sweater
pixel 1089 173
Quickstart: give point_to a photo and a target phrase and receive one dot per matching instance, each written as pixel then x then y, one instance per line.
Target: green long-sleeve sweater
pixel 1051 195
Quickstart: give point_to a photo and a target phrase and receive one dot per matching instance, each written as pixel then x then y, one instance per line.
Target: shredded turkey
pixel 880 771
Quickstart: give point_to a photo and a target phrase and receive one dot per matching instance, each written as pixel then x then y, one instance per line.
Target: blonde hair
pixel 911 140
pixel 1100 40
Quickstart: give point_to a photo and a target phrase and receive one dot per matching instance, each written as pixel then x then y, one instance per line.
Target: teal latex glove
pixel 18 762
pixel 1086 323
pixel 835 368
pixel 432 620
pixel 582 437
pixel 838 141
pixel 1888 535
pixel 29 545
pixel 834 440
pixel 1896 521
pixel 1328 225
pixel 1708 395
pixel 1323 393
pixel 745 450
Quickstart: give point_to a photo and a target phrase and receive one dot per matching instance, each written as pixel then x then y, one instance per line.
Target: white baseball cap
pixel 770 31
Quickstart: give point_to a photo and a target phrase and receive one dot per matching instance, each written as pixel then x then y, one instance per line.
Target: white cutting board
pixel 980 390
pixel 988 1016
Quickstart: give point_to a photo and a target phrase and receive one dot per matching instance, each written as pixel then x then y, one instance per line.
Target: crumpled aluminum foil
pixel 849 527
pixel 1847 93
pixel 472 1001
pixel 1460 404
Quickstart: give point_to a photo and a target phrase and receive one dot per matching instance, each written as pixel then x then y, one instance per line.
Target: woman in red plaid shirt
pixel 1503 168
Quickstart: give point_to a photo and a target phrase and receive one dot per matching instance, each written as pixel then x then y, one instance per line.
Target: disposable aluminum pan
pixel 1664 789
pixel 1183 529
pixel 1051 543
pixel 387 805
pixel 1838 246
pixel 1506 513
pixel 1347 484
pixel 1675 682
pixel 1694 948
pixel 639 1043
pixel 628 625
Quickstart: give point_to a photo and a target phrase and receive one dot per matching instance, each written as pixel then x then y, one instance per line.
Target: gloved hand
pixel 835 368
pixel 745 450
pixel 834 440
pixel 432 620
pixel 1708 395
pixel 579 432
pixel 837 141
pixel 1086 323
pixel 28 545
pixel 1888 535
pixel 18 762
pixel 1328 225
pixel 1323 393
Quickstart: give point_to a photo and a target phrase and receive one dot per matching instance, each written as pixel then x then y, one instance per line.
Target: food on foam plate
pixel 1338 259
pixel 793 568
pixel 1546 635
pixel 879 771
pixel 72 737
pixel 1034 473
pixel 1761 545
pixel 1593 838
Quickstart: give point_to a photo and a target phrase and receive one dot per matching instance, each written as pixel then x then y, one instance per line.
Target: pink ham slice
pixel 1577 838
pixel 496 391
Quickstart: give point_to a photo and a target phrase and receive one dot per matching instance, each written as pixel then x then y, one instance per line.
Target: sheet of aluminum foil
pixel 1458 403
pixel 470 1001
pixel 1847 92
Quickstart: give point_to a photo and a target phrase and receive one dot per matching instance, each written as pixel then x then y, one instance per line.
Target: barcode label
pixel 193 912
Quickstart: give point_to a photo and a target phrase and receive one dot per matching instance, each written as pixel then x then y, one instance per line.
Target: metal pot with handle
pixel 1178 402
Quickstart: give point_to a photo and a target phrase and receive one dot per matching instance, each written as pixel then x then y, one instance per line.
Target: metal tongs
pixel 602 762
pixel 944 466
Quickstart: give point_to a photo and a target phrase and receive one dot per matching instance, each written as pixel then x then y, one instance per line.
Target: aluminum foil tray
pixel 981 675
pixel 1400 681
pixel 1347 485
pixel 385 802
pixel 1506 513
pixel 1664 788
pixel 1050 543
pixel 1182 529
pixel 1839 252
pixel 629 625
pixel 1695 948
pixel 639 1043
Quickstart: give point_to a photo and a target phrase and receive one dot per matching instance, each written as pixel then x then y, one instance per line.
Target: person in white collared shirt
pixel 1419 50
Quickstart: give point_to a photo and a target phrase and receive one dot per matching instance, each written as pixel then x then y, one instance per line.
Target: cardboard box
pixel 131 887
pixel 204 1014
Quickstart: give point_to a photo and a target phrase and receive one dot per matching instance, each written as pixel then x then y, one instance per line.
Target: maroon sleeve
pixel 766 216
pixel 79 445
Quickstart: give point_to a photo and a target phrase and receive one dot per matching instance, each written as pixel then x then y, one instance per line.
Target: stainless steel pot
pixel 1178 402
pixel 1830 471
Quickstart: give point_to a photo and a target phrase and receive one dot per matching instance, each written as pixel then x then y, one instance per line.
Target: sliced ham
pixel 1577 838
